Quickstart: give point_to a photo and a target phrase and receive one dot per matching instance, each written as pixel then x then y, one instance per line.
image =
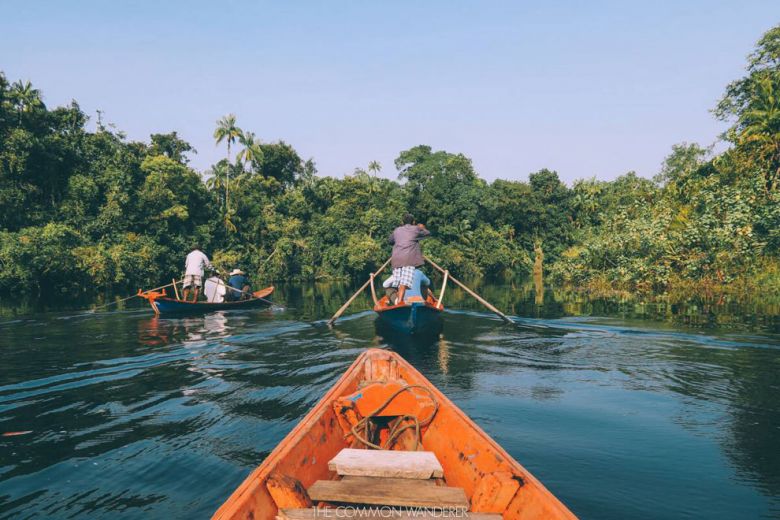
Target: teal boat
pixel 414 316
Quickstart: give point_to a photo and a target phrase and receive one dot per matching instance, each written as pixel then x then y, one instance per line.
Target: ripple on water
pixel 164 418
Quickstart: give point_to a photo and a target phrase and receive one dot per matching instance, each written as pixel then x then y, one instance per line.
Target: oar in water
pixel 472 293
pixel 363 288
pixel 133 296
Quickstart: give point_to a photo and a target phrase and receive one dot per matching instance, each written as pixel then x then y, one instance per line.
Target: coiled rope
pixel 396 427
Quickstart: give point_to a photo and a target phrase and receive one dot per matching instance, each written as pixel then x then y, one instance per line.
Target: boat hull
pixel 491 479
pixel 417 319
pixel 171 306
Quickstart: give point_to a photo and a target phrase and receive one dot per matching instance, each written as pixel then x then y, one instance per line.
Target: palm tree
pixel 25 97
pixel 760 124
pixel 227 131
pixel 220 173
pixel 251 153
pixel 374 167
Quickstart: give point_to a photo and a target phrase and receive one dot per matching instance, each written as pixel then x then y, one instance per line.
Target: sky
pixel 588 89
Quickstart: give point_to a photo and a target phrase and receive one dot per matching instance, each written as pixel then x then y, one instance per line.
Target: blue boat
pixel 414 316
pixel 162 304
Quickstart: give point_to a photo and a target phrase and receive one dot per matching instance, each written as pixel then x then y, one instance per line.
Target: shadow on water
pixel 620 415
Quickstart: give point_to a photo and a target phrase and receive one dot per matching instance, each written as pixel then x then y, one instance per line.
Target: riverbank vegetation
pixel 84 210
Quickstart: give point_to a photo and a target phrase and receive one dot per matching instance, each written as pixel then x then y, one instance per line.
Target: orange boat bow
pixel 371 400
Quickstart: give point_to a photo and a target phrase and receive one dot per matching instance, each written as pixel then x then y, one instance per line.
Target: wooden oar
pixel 475 295
pixel 363 288
pixel 133 296
pixel 254 294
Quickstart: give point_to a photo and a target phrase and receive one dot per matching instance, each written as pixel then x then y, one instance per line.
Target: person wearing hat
pixel 238 286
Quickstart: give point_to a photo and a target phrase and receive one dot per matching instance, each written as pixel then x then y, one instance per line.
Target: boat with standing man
pixel 161 303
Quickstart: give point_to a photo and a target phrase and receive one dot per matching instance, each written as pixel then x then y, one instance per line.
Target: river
pixel 622 409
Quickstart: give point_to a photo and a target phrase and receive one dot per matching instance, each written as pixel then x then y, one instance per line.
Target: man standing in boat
pixel 407 253
pixel 194 266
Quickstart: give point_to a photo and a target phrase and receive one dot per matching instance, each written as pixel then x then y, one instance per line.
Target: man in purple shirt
pixel 407 253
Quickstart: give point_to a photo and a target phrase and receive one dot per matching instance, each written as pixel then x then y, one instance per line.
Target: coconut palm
pixel 374 167
pixel 251 153
pixel 227 131
pixel 760 124
pixel 25 97
pixel 220 174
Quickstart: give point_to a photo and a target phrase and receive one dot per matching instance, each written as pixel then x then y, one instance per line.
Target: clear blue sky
pixel 585 88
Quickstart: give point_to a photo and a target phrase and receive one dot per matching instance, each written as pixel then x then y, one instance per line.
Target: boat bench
pixel 310 513
pixel 403 479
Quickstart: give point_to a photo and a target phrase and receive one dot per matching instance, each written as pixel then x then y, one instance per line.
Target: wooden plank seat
pixel 372 480
pixel 310 513
pixel 388 492
pixel 387 463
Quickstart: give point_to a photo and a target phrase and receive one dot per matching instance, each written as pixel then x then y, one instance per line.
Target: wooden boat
pixel 432 457
pixel 162 304
pixel 414 316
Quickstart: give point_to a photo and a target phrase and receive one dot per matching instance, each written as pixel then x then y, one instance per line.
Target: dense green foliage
pixel 83 210
pixel 704 220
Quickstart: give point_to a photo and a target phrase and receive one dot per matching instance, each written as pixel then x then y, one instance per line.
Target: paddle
pixel 255 295
pixel 472 293
pixel 347 304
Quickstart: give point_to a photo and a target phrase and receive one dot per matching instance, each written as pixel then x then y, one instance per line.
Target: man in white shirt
pixel 196 262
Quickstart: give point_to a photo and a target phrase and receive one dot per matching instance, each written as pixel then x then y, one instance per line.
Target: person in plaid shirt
pixel 407 253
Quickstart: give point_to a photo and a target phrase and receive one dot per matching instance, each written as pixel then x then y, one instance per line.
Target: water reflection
pixel 621 417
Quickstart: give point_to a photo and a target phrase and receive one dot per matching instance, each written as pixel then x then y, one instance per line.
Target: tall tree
pixel 24 97
pixel 753 103
pixel 251 153
pixel 171 146
pixel 227 131
pixel 374 167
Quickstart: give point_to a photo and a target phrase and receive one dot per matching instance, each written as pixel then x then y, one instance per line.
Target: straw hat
pixel 236 271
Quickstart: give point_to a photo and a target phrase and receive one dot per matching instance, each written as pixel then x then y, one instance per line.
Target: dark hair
pixel 408 218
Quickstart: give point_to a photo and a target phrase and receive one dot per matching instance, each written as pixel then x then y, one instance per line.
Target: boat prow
pixel 434 457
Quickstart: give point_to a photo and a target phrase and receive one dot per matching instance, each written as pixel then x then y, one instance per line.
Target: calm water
pixel 620 414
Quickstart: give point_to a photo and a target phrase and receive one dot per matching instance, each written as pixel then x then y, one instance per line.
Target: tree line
pixel 88 210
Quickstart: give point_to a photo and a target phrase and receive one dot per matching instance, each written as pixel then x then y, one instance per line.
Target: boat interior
pixel 384 304
pixel 385 437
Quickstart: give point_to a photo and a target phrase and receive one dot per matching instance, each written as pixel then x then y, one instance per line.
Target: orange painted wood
pixel 384 304
pixel 494 492
pixel 468 456
pixel 377 513
pixel 287 491
pixel 390 492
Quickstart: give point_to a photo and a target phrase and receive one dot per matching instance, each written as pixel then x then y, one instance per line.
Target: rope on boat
pixel 396 427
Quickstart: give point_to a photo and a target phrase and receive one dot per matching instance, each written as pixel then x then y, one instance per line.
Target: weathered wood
pixel 443 288
pixel 311 513
pixel 368 513
pixel 395 492
pixel 494 492
pixel 372 480
pixel 386 463
pixel 348 302
pixel 373 289
pixel 287 491
pixel 479 298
